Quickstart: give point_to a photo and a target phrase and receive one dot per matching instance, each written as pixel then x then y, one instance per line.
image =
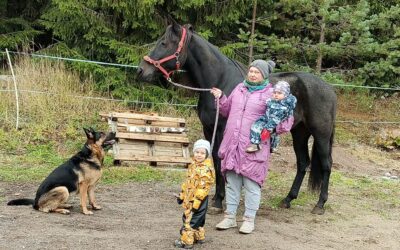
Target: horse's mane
pixel 241 67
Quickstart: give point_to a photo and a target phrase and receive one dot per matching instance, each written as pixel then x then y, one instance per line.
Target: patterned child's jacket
pixel 278 111
pixel 200 178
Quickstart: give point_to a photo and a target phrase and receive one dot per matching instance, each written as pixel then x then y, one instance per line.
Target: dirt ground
pixel 145 216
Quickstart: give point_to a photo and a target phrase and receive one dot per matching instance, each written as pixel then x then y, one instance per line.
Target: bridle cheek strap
pixel 175 56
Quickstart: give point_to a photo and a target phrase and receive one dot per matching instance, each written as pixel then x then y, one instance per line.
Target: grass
pixel 23 169
pixel 373 190
pixel 24 173
pixel 277 185
pixel 118 175
pixel 368 192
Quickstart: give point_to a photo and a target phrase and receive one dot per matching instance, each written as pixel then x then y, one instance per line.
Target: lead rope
pixel 216 115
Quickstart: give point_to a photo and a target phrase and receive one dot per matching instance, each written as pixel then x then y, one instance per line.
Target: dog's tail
pixel 21 202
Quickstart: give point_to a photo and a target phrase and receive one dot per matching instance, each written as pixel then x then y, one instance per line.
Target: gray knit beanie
pixel 283 87
pixel 265 67
pixel 202 144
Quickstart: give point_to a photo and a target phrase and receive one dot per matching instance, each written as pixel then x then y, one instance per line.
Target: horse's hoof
pixel 214 210
pixel 217 203
pixel 284 204
pixel 318 210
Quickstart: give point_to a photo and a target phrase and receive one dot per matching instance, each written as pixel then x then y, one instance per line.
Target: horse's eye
pixel 163 43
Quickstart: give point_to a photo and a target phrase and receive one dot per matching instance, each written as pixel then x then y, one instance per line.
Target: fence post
pixel 15 87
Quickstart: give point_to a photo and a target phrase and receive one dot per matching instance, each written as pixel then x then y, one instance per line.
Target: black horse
pixel 208 67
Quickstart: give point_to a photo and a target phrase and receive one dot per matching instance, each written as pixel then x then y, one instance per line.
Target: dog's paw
pixel 87 212
pixel 68 206
pixel 96 207
pixel 64 211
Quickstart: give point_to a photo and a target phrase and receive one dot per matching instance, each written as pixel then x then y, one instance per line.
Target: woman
pixel 245 104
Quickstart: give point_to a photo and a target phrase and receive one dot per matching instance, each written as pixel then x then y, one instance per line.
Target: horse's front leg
pixel 294 190
pixel 219 185
pixel 300 145
pixel 216 205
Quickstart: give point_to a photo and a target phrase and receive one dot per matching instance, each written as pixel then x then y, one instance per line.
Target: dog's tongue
pixel 110 142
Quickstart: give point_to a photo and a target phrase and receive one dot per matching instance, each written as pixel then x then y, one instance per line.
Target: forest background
pixel 345 41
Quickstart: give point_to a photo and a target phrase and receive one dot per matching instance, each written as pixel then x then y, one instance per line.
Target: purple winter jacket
pixel 242 108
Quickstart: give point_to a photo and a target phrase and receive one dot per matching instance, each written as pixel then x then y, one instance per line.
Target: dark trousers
pixel 198 216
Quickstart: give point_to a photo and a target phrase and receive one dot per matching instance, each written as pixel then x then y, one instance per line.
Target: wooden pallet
pixel 149 138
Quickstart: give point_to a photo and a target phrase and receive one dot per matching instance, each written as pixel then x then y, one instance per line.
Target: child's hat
pixel 202 144
pixel 283 87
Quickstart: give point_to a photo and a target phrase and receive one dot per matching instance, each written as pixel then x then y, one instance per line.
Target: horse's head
pixel 168 55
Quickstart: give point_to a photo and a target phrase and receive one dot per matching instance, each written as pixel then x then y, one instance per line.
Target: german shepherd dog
pixel 80 173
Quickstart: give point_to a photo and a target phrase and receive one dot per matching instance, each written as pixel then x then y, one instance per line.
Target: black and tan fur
pixel 80 173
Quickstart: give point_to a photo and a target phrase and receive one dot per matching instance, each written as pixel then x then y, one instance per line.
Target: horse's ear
pixel 170 20
pixel 189 27
pixel 176 27
pixel 163 14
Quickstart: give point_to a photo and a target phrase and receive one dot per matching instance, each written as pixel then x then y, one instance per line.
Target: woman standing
pixel 245 104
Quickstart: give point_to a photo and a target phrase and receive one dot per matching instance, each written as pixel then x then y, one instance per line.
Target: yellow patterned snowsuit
pixel 194 194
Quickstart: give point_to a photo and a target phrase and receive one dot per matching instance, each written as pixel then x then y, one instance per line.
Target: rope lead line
pixel 216 114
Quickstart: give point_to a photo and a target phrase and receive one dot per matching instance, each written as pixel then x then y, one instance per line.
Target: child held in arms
pixel 279 108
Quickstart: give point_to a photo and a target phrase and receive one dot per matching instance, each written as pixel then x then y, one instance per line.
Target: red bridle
pixel 158 63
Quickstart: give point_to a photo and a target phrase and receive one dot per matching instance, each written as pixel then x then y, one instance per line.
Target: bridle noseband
pixel 157 63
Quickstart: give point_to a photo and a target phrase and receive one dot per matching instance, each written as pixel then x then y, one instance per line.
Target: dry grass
pixel 54 99
pixel 361 116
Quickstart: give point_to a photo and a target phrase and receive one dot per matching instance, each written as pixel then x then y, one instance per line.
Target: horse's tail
pixel 21 202
pixel 315 178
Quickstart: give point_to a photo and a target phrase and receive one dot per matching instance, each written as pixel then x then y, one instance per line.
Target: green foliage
pixel 346 40
pixel 16 32
pixel 384 67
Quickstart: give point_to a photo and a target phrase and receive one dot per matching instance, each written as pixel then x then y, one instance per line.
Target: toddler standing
pixel 194 196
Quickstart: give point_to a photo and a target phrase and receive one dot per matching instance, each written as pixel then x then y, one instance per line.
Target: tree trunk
pixel 321 41
pixel 253 23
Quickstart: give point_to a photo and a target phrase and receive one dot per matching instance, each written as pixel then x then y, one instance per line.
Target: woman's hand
pixel 216 92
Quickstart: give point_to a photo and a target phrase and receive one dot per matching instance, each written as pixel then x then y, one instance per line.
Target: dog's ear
pixel 89 133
